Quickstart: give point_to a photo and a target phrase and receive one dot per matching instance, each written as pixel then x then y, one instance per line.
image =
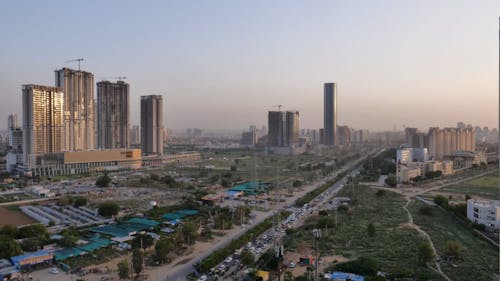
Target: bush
pixel 391 181
pixel 108 209
pixel 425 253
pixel 453 249
pixel 441 200
pixel 426 211
pixel 361 266
pixel 380 193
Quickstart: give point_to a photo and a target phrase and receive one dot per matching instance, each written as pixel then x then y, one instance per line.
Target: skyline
pixel 239 59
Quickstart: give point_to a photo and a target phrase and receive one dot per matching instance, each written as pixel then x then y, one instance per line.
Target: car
pixel 54 270
pixel 228 260
pixel 292 265
pixel 203 278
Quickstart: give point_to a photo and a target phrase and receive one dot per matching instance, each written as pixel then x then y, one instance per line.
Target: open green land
pixel 478 259
pixel 394 247
pixel 485 187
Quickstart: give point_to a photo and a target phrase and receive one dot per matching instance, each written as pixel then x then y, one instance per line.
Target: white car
pixel 54 270
pixel 228 260
pixel 203 278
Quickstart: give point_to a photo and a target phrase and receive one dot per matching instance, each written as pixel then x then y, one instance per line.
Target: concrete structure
pixel 292 127
pixel 405 173
pixel 135 135
pixel 79 116
pixel 485 212
pixel 283 128
pixel 152 125
pixel 113 115
pixel 43 120
pixel 360 136
pixel 79 162
pixel 416 139
pixel 15 149
pixel 407 155
pixel 330 114
pixel 249 139
pixel 443 142
pixel 12 121
pixel 344 135
pixel 466 159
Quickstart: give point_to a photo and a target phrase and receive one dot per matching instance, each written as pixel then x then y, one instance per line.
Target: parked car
pixel 203 278
pixel 54 270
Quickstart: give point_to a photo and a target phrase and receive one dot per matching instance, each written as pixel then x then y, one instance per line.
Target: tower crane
pixel 119 78
pixel 78 60
pixel 278 106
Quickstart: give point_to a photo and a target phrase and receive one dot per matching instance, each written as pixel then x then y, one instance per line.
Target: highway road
pixel 179 273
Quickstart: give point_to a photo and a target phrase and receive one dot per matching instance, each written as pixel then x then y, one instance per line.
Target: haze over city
pixel 222 64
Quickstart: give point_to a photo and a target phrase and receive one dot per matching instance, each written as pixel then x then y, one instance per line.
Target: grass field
pixel 479 260
pixel 485 187
pixel 394 247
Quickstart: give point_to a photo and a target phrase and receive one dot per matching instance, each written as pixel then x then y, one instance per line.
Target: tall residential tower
pixel 113 115
pixel 330 114
pixel 43 116
pixel 152 125
pixel 79 117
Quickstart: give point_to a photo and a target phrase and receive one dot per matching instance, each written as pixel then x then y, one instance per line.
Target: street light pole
pixel 317 236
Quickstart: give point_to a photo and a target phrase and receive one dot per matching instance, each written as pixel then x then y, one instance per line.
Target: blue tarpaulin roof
pixel 342 276
pixel 179 214
pixel 43 253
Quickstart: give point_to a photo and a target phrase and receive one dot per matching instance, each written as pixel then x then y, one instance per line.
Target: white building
pixel 485 212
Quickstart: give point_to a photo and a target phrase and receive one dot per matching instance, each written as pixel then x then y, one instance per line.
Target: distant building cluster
pixel 61 120
pixel 439 150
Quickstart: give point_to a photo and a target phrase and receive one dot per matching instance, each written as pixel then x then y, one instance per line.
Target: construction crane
pixel 278 106
pixel 78 60
pixel 119 78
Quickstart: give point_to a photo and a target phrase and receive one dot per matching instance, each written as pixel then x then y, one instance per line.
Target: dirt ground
pixel 300 270
pixel 14 217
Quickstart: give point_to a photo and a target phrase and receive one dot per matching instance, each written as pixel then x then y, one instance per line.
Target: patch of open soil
pixel 14 217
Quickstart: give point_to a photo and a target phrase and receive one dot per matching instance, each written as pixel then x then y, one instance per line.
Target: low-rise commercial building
pixel 485 212
pixel 79 162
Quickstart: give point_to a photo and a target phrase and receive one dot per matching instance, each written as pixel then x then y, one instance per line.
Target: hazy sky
pixel 222 64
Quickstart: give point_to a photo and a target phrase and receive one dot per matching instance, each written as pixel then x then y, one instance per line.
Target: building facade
pixel 444 142
pixel 12 121
pixel 43 120
pixel 113 115
pixel 135 135
pixel 152 125
pixel 344 135
pixel 330 114
pixel 79 116
pixel 284 128
pixel 485 212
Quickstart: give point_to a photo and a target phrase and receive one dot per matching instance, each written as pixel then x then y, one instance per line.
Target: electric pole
pixel 317 236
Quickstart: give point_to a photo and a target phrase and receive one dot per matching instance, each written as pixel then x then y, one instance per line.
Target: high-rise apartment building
pixel 113 115
pixel 152 125
pixel 415 138
pixel 330 114
pixel 283 128
pixel 12 121
pixel 43 120
pixel 344 135
pixel 135 135
pixel 444 142
pixel 79 117
pixel 292 127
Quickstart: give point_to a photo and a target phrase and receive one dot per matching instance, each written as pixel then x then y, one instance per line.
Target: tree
pixel 453 249
pixel 108 209
pixel 441 200
pixel 189 232
pixel 67 240
pixel 79 201
pixel 297 183
pixel 247 258
pixel 65 200
pixel 142 240
pixel 123 270
pixel 425 253
pixel 288 276
pixel 103 181
pixel 371 229
pixel 154 177
pixel 34 230
pixel 137 261
pixel 233 168
pixel 9 247
pixel 162 248
pixel 380 193
pixel 9 230
pixel 391 181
